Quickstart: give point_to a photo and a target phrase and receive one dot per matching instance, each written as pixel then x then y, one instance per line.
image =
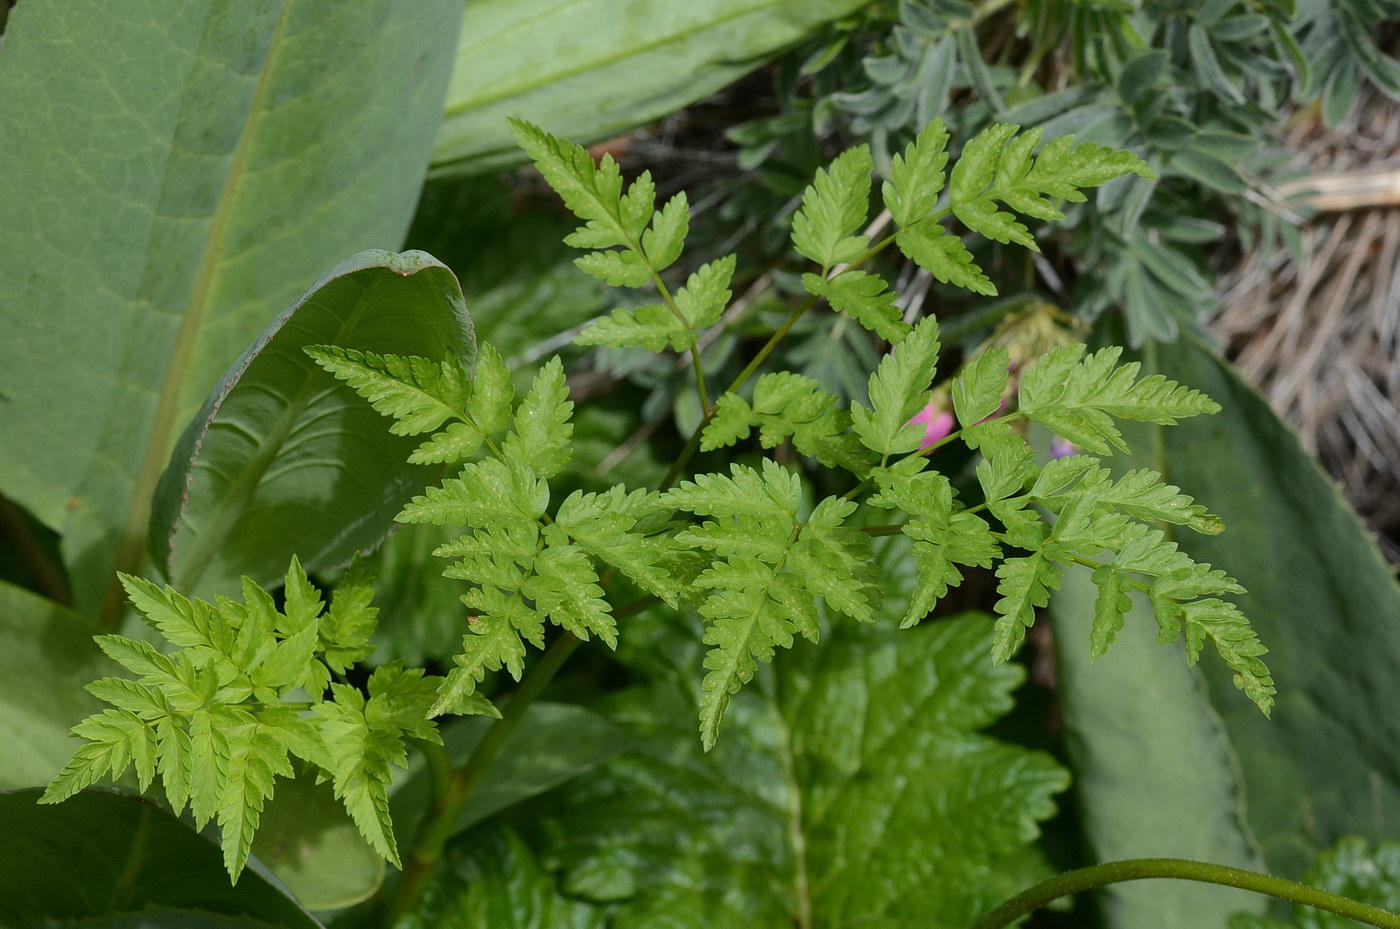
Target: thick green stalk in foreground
pixel 1136 869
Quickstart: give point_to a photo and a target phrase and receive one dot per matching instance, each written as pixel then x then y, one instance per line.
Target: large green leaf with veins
pixel 851 786
pixel 588 69
pixel 105 853
pixel 1322 599
pixel 47 657
pixel 1153 768
pixel 174 173
pixel 284 459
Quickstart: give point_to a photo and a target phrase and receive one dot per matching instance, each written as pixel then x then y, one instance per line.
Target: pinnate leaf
pixel 540 440
pixel 592 192
pixel 899 389
pixel 419 393
pixel 1110 606
pixel 833 207
pixel 916 176
pixel 943 255
pixel 1075 395
pixel 1024 587
pixel 865 297
pixel 979 388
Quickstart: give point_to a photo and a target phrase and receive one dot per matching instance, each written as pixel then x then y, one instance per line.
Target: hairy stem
pixel 1136 869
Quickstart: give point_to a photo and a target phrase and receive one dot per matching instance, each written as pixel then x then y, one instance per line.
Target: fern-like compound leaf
pixel 864 297
pixel 663 241
pixel 1025 586
pixel 944 536
pixel 564 586
pixel 943 255
pixel 604 525
pixel 1110 606
pixel 917 176
pixel 898 389
pixel 540 439
pixel 833 207
pixel 420 394
pixel 616 269
pixel 652 327
pixel 1075 395
pixel 706 293
pixel 592 192
pixel 364 739
pixel 980 388
pixel 493 641
pixel 1224 626
pixel 487 413
pixel 997 166
pixel 487 491
pixel 775 493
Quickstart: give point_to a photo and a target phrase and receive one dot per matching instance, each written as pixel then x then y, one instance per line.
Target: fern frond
pixel 898 389
pixel 833 207
pixel 420 394
pixel 1074 395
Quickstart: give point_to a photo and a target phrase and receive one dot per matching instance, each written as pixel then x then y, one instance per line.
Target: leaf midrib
pixel 130 549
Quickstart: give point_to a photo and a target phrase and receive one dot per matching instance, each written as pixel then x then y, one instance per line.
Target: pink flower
pixel 938 424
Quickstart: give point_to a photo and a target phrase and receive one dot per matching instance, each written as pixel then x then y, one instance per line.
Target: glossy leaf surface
pixel 47 656
pixel 164 192
pixel 284 459
pixel 103 853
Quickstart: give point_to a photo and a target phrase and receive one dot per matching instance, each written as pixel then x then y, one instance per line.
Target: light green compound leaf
pixel 213 158
pixel 120 853
pixel 1321 598
pixel 943 537
pixel 418 393
pixel 997 165
pixel 1139 724
pixel 1025 585
pixel 852 788
pixel 663 241
pixel 47 656
pixel 864 297
pixel 1110 606
pixel 916 176
pixel 616 269
pixel 592 192
pixel 834 207
pixel 493 641
pixel 944 256
pixel 591 69
pixel 539 439
pixel 284 459
pixel 899 389
pixel 652 327
pixel 706 293
pixel 979 387
pixel 602 524
pixel 1075 395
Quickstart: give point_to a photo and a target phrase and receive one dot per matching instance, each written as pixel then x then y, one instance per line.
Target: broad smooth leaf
pixel 1322 599
pixel 174 173
pixel 553 743
pixel 590 69
pixel 104 852
pixel 284 459
pixel 850 786
pixel 311 844
pixel 47 655
pixel 1152 766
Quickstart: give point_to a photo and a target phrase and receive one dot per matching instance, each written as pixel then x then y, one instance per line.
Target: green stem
pixel 1136 869
pixel 455 787
pixel 440 823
